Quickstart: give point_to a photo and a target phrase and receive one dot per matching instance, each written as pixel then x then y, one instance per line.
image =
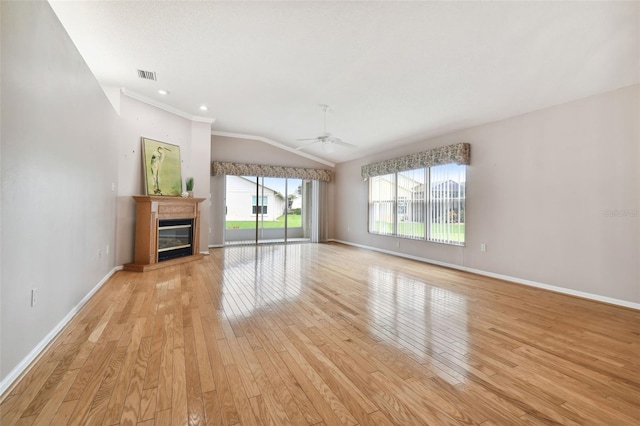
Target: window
pixel 260 208
pixel 425 203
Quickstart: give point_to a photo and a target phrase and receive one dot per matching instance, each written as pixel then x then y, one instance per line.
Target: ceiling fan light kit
pixel 327 147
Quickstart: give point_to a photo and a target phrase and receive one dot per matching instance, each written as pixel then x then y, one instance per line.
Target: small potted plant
pixel 189 185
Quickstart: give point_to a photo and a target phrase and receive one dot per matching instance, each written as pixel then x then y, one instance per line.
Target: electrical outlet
pixel 113 186
pixel 34 296
pixel 483 247
pixel 99 253
pixel 107 251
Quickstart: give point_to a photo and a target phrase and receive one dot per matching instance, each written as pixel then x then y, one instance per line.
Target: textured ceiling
pixel 392 72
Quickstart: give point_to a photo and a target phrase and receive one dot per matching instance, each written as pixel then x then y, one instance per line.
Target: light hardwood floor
pixel 324 334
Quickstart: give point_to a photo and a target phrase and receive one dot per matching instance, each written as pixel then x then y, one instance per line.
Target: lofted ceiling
pixel 392 72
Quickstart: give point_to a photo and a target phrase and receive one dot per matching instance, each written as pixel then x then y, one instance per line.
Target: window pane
pixel 410 203
pixel 381 204
pixel 240 209
pixel 446 203
pixel 295 203
pixel 263 200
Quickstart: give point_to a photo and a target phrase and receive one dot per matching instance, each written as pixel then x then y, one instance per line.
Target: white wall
pixel 139 119
pixel 251 152
pixel 59 161
pixel 554 194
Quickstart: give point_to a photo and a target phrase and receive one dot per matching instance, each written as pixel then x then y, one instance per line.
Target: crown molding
pixel 165 107
pixel 274 143
pixel 180 113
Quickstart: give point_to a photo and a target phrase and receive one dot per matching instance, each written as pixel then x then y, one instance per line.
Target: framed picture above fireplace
pixel 162 168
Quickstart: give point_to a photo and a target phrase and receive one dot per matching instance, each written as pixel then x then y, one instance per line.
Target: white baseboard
pixel 216 245
pixel 556 289
pixel 27 362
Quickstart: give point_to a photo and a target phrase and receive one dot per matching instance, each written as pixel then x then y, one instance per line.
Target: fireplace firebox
pixel 174 238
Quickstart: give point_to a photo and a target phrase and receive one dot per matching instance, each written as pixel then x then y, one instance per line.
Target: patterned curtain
pixel 459 154
pixel 241 169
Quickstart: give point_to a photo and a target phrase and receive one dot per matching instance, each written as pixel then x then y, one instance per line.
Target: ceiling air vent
pixel 147 75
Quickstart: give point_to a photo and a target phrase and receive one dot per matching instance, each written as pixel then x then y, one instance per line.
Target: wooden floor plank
pixel 195 406
pixel 36 378
pixel 212 409
pixel 240 397
pixel 325 334
pixel 281 393
pixel 179 410
pixel 227 406
pixel 133 399
pixel 49 388
pixel 118 396
pixel 165 373
pixel 64 412
pixel 57 397
pixel 100 402
pixel 99 369
pixel 204 369
pixel 295 390
pixel 312 392
pixel 147 405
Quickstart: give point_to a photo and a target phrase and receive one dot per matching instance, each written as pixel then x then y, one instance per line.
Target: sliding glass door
pixel 264 209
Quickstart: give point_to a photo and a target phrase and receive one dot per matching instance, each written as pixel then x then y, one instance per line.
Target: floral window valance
pixel 241 169
pixel 459 154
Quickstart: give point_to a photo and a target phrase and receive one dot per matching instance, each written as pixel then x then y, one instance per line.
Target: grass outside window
pixel 293 221
pixel 453 232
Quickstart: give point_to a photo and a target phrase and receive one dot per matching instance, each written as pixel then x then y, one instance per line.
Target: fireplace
pixel 175 237
pixel 167 232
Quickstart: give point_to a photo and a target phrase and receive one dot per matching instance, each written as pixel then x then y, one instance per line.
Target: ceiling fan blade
pixel 307 145
pixel 340 142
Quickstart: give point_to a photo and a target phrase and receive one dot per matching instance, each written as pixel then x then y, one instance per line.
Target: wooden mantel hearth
pixel 149 211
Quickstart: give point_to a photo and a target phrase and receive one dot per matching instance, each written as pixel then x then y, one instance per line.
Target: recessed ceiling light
pixel 163 92
pixel 203 108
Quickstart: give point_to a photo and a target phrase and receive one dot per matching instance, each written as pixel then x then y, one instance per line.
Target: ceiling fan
pixel 326 139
